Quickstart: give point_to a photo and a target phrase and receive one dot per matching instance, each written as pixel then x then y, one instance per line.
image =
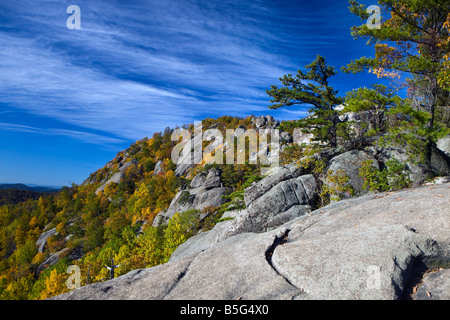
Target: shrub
pixel 291 153
pixel 312 162
pixel 391 177
pixel 185 197
pixel 237 197
pixel 336 187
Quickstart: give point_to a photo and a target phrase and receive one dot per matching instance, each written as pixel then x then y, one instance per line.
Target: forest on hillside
pixel 14 196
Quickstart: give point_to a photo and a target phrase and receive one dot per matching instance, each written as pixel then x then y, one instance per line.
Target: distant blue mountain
pixel 36 188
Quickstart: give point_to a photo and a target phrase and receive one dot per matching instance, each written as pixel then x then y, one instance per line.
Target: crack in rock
pixel 178 279
pixel 279 240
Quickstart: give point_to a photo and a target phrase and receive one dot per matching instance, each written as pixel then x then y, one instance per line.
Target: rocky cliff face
pixel 362 248
pixel 205 190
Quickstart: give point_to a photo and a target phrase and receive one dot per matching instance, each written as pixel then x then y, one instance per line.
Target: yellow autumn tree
pixel 142 202
pixel 148 251
pixel 17 290
pixel 54 285
pixel 179 228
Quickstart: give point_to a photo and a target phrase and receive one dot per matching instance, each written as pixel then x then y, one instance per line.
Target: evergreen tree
pixel 414 41
pixel 312 89
pixel 375 101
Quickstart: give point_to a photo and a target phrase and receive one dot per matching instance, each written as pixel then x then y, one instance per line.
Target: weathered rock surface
pixel 52 260
pixel 435 286
pixel 443 144
pixel 361 248
pixel 42 240
pixel 282 195
pixel 274 177
pixel 159 168
pixel 294 192
pixel 264 122
pixel 204 191
pixel 118 176
pixel 300 137
pixel 440 162
pixel 349 164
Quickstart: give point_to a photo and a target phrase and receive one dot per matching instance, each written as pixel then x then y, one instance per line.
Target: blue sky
pixel 71 99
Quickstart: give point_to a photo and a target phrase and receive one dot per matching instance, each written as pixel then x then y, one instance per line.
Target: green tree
pixel 375 100
pixel 18 290
pixel 413 41
pixel 94 234
pixel 149 247
pixel 312 89
pixel 25 254
pixel 180 228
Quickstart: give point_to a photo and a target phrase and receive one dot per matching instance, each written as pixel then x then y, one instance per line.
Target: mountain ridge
pixel 29 187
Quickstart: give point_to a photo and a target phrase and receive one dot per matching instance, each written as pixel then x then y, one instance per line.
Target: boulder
pixel 440 162
pixel 268 122
pixel 298 192
pixel 435 286
pixel 443 144
pixel 362 248
pixel 198 181
pixel 212 197
pixel 300 137
pixel 205 190
pixel 349 164
pixel 274 177
pixel 281 196
pixel 212 179
pixel 260 122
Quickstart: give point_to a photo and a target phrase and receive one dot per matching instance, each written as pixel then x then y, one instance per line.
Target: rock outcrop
pixel 362 248
pixel 42 240
pixel 205 190
pixel 118 176
pixel 349 164
pixel 443 144
pixel 282 196
pixel 159 168
pixel 267 122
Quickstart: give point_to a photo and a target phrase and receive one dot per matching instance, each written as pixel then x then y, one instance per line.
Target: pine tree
pixel 415 40
pixel 375 101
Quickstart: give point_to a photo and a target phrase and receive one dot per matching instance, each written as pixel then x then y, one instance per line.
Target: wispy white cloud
pixel 133 69
pixel 83 136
